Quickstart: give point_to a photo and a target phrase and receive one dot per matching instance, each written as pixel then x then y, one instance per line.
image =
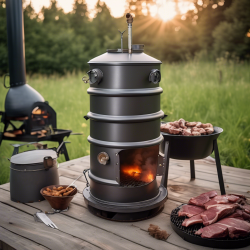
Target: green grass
pixel 192 91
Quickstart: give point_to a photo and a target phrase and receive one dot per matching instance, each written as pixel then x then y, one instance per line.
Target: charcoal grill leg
pixel 64 151
pixel 15 151
pixel 219 170
pixel 192 169
pixel 164 180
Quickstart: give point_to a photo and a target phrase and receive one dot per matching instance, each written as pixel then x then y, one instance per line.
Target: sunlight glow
pixel 167 9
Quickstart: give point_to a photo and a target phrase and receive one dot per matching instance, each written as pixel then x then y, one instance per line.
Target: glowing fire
pixel 37 111
pixel 137 173
pixel 131 170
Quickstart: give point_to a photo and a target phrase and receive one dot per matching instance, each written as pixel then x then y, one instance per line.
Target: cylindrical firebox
pixel 124 131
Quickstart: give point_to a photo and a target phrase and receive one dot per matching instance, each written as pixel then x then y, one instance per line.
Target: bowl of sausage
pixel 189 140
pixel 59 196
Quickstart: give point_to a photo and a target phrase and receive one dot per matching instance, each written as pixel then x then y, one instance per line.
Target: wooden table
pixel 79 229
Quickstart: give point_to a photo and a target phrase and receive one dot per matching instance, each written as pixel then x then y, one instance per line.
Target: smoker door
pixel 138 166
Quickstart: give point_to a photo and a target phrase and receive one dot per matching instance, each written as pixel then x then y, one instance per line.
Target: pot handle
pixel 47 162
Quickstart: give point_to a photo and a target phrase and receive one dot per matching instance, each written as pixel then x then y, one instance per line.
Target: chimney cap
pixel 129 18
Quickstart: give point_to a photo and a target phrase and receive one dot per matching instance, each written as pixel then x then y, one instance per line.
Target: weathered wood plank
pixel 80 161
pixel 68 226
pixel 77 221
pixel 230 188
pixel 24 225
pixel 14 241
pixel 210 173
pixel 5 186
pixel 126 230
pixel 204 166
pixel 81 214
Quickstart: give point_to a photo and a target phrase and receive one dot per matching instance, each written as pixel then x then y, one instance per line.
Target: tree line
pixel 58 42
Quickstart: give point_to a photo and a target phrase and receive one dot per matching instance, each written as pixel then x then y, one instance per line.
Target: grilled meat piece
pixel 193 220
pixel 222 199
pixel 207 125
pixel 190 210
pixel 202 198
pixel 217 212
pixel 191 124
pixel 233 227
pixel 209 130
pixel 182 123
pixel 240 214
pixel 187 132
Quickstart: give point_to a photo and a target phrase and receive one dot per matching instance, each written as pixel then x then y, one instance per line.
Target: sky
pixel 162 9
pixel 117 7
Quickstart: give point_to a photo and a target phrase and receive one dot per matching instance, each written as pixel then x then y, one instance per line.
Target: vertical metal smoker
pixel 125 135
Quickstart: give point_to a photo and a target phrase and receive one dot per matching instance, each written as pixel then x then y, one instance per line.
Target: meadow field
pixel 217 92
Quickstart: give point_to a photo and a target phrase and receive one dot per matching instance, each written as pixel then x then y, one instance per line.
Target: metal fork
pixel 45 219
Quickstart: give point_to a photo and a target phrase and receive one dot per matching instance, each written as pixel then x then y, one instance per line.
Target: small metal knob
pixel 95 76
pixel 155 76
pixel 103 158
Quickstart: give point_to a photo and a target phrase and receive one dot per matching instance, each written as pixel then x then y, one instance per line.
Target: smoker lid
pixel 124 58
pixel 33 156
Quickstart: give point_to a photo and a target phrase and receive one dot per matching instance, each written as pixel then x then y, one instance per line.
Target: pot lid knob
pixel 103 158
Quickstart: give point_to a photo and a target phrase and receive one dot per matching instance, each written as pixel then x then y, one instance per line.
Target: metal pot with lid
pixel 30 171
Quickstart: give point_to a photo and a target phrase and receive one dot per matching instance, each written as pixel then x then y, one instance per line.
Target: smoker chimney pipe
pixel 129 22
pixel 15 34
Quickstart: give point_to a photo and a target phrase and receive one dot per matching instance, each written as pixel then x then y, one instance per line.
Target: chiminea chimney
pixel 20 96
pixel 129 22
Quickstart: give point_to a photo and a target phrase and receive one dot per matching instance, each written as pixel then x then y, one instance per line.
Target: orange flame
pixel 137 173
pixel 131 170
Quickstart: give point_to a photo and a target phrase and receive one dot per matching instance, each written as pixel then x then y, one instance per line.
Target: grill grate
pixel 188 234
pixel 131 181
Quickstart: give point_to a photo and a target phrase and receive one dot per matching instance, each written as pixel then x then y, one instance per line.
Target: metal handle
pixel 60 147
pixel 85 80
pixel 4 81
pixel 84 172
pixel 164 180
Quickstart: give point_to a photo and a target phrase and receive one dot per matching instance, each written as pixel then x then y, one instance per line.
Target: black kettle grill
pixel 27 116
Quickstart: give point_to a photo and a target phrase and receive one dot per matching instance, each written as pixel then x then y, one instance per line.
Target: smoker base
pixel 126 211
pixel 126 217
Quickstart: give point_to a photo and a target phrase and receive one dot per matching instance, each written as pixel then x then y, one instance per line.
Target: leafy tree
pixel 58 42
pixel 79 17
pixel 233 35
pixel 209 15
pixel 104 27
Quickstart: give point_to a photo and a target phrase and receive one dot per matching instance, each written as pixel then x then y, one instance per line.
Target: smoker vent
pixel 188 234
